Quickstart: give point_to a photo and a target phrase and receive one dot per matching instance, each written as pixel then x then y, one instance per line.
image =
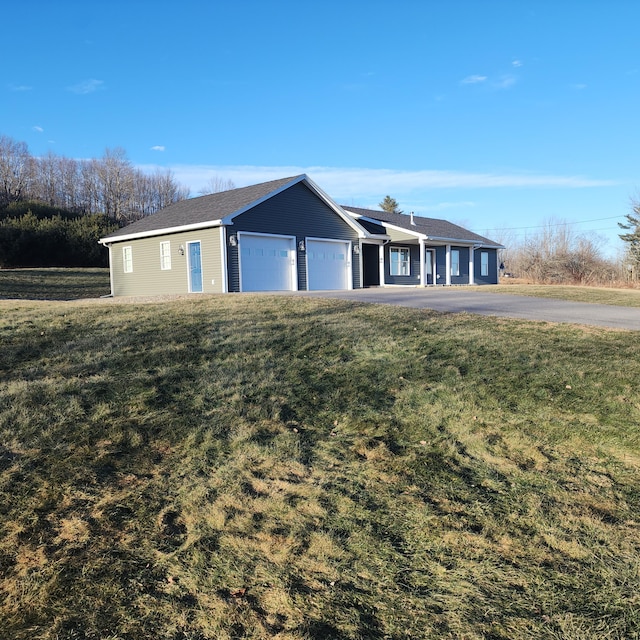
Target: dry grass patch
pixel 255 467
pixel 594 295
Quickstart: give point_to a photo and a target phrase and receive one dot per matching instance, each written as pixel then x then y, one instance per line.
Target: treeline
pixel 37 235
pixel 53 210
pixel 110 185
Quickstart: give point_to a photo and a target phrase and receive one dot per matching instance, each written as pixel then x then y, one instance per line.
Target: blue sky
pixel 495 115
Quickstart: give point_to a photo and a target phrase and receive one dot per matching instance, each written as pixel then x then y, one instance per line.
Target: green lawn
pixel 273 467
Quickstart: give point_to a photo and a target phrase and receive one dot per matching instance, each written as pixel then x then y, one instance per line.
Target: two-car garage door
pixel 268 263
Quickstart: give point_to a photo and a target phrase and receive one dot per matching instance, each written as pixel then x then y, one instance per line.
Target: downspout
pixel 224 258
pixel 108 246
pixel 111 270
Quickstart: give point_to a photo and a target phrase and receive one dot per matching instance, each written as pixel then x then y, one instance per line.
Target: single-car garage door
pixel 328 264
pixel 267 263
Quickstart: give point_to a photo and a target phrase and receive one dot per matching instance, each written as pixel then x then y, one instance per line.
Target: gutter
pixel 160 232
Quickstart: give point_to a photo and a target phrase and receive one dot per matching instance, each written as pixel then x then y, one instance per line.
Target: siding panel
pixel 297 212
pixel 463 278
pixel 414 268
pixel 148 278
pixel 492 277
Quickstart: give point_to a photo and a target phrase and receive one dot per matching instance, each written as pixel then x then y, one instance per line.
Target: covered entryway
pixel 328 265
pixel 267 262
pixel 371 265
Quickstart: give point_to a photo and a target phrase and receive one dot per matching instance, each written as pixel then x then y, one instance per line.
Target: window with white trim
pixel 400 261
pixel 127 259
pixel 455 262
pixel 165 255
pixel 484 263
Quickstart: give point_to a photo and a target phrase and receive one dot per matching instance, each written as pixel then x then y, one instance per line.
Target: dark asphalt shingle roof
pixel 203 209
pixel 434 228
pixel 217 206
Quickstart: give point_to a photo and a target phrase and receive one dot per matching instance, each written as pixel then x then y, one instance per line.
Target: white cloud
pixel 158 147
pixel 38 129
pixel 20 87
pixel 578 87
pixel 505 81
pixel 516 63
pixel 345 184
pixel 475 79
pixel 87 86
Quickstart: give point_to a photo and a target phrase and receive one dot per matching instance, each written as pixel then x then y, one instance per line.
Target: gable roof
pixel 219 209
pixel 205 211
pixel 431 228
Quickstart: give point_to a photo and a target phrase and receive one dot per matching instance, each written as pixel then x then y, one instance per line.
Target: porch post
pixel 422 259
pixel 447 277
pixel 471 265
pixel 381 263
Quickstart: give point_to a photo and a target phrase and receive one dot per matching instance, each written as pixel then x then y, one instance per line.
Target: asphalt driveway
pixel 459 299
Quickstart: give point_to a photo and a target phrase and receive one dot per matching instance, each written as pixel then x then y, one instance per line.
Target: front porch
pixel 419 263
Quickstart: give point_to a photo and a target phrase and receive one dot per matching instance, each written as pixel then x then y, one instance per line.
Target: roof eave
pixel 389 225
pixel 425 236
pixel 475 243
pixel 160 232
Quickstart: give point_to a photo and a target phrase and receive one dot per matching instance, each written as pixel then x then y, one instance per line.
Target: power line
pixel 555 224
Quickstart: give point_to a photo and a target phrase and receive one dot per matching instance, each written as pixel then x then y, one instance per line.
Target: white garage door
pixel 267 263
pixel 328 264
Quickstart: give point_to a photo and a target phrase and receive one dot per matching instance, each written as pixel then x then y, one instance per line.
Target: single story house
pixel 289 235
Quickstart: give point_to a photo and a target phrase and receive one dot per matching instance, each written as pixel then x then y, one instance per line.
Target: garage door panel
pixel 266 263
pixel 327 264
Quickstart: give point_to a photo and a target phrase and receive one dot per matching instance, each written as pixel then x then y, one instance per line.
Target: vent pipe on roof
pixel 412 221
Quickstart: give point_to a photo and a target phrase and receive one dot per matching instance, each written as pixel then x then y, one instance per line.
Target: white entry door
pixel 328 265
pixel 267 263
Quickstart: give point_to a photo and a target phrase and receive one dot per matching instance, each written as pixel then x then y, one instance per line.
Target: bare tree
pixel 556 254
pixel 116 181
pixel 216 184
pixel 70 184
pixel 47 181
pixel 90 195
pixel 166 190
pixel 16 170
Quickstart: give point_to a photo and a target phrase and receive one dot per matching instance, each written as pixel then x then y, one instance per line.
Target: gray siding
pixel 463 278
pixel 414 268
pixel 441 265
pixel 148 279
pixel 298 212
pixel 441 271
pixel 492 277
